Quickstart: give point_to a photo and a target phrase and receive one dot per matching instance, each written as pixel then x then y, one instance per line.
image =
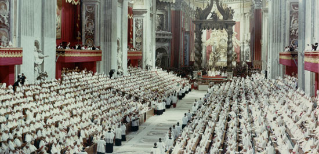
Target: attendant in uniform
pixel 174 100
pixel 180 94
pixel 109 137
pixel 159 108
pixel 123 127
pixel 161 145
pixel 179 129
pixel 118 136
pixel 185 121
pixel 183 92
pixel 194 109
pixel 156 150
pixel 164 105
pixel 189 115
pixel 169 143
pixel 101 145
pixel 168 103
pixel 134 124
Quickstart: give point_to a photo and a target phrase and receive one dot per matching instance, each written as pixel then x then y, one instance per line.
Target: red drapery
pixel 70 24
pixel 130 28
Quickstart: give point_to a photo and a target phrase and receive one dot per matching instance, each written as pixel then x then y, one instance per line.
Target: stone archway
pixel 162 59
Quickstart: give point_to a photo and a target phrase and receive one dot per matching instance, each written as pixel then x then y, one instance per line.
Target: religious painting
pixel 58 19
pixel 293 30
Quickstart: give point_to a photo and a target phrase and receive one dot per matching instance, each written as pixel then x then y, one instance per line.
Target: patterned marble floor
pixel 156 127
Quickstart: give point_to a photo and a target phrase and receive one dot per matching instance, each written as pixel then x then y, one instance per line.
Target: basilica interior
pixel 159 76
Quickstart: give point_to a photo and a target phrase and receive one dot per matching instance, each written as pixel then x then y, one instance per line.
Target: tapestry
pixel 58 18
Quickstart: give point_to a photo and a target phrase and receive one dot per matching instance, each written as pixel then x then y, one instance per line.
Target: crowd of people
pixel 249 115
pixel 76 47
pixel 82 109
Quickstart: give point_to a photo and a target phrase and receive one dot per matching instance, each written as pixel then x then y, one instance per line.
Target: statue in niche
pixel 159 22
pixel 38 61
pixel 159 59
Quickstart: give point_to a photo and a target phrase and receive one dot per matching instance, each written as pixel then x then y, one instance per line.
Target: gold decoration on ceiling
pixel 74 2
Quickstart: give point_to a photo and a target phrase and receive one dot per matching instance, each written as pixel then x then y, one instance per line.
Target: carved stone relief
pixel 139 34
pixel 89 24
pixel 293 31
pixel 4 22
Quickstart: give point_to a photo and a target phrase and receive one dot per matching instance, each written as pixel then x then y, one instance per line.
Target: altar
pixel 71 58
pixel 9 57
pixel 218 19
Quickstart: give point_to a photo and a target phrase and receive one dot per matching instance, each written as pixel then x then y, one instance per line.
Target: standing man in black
pixel 23 79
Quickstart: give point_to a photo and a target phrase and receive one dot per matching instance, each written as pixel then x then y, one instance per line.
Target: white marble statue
pixel 38 60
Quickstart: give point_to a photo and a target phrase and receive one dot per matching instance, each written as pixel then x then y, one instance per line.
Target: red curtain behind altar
pixel 130 28
pixel 70 23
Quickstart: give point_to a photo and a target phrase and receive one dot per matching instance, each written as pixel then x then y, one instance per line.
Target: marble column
pixel 301 44
pixel 276 32
pixel 198 48
pixel 264 38
pixel 205 59
pixel 49 37
pixel 230 49
pixel 124 35
pixel 153 31
pixel 270 35
pixel 25 38
pixel 108 35
pixel 309 15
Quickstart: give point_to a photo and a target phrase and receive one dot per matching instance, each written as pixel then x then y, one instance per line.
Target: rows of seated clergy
pixel 61 115
pixel 149 84
pixel 280 118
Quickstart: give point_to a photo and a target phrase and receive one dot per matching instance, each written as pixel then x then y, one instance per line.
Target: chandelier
pixel 74 2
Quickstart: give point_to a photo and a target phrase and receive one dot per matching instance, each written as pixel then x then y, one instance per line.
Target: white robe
pixel 109 137
pixel 118 133
pixel 101 146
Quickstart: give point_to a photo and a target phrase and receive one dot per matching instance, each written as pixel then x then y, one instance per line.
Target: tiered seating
pixel 253 115
pixel 58 116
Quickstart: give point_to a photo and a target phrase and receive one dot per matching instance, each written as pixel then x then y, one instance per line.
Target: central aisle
pixel 156 127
